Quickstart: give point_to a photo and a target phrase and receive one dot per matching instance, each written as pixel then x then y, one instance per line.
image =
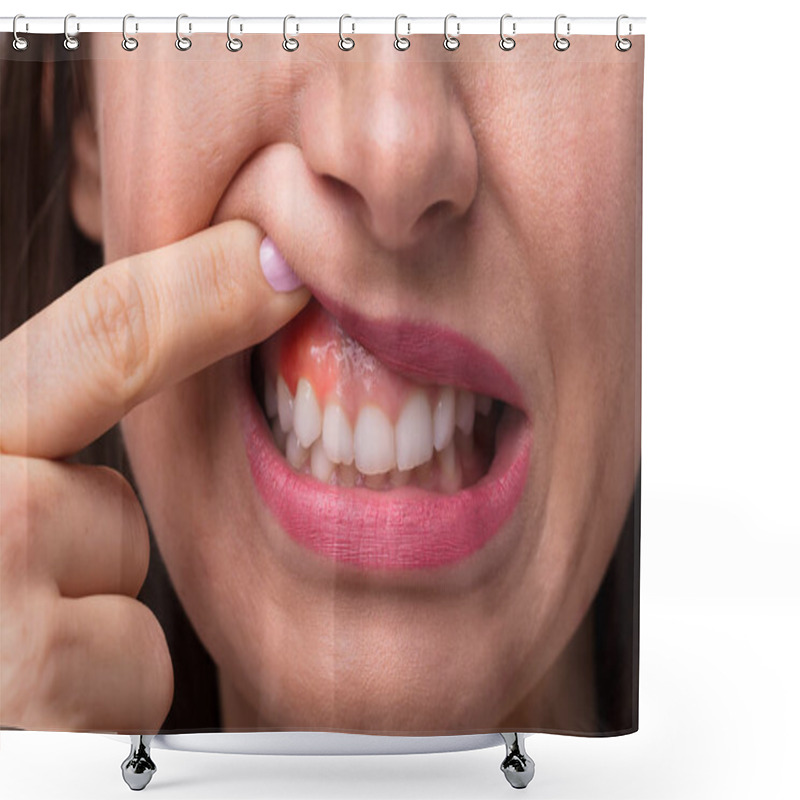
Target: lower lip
pixel 405 528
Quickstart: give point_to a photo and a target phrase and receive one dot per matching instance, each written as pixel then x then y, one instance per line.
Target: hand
pixel 77 650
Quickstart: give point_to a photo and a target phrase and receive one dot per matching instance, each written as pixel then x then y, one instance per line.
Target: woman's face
pixel 491 197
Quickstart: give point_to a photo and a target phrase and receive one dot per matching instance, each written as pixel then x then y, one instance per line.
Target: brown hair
pixel 43 254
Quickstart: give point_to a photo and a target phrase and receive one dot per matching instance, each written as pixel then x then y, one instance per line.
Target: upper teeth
pixel 337 435
pixel 377 447
pixel 285 405
pixel 444 418
pixel 307 416
pixel 373 441
pixel 414 432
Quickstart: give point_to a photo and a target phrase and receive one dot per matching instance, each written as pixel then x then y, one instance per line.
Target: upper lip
pixel 427 351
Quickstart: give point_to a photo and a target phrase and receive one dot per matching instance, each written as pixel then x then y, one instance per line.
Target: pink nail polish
pixel 279 274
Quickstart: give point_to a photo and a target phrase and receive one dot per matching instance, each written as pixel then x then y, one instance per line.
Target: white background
pixel 720 604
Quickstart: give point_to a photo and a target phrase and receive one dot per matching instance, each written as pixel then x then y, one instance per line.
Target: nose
pixel 392 142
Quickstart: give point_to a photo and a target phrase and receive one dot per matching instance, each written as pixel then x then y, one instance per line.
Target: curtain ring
pixel 400 42
pixel 70 42
pixel 19 43
pixel 561 44
pixel 623 45
pixel 182 42
pixel 506 42
pixel 234 45
pixel 289 44
pixel 451 42
pixel 345 42
pixel 128 42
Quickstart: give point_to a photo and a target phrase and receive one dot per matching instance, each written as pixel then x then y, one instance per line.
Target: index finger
pixel 130 329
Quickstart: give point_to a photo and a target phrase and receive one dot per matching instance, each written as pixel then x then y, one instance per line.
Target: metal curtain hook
pixel 234 45
pixel 623 45
pixel 289 44
pixel 451 42
pixel 128 42
pixel 19 43
pixel 506 42
pixel 560 42
pixel 70 42
pixel 182 42
pixel 400 42
pixel 345 42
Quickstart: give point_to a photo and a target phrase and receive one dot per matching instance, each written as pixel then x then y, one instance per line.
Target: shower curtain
pixel 321 377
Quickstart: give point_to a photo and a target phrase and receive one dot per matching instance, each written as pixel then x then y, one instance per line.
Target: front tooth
pixel 414 432
pixel 373 441
pixel 337 435
pixel 465 411
pixel 285 405
pixel 296 454
pixel 307 416
pixel 321 465
pixel 483 404
pixel 444 418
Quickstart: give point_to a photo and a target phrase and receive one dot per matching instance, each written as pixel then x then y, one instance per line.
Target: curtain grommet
pixel 70 42
pixel 233 44
pixel 129 43
pixel 19 43
pixel 401 42
pixel 623 45
pixel 451 42
pixel 183 43
pixel 289 44
pixel 506 42
pixel 560 43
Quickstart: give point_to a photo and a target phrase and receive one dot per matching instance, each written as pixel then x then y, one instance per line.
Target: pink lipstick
pixel 406 527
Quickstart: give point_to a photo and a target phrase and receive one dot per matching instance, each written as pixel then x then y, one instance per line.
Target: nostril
pixel 341 189
pixel 390 223
pixel 430 222
pixel 436 214
pixel 344 196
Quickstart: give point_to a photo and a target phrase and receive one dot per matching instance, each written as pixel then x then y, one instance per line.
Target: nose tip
pixel 394 145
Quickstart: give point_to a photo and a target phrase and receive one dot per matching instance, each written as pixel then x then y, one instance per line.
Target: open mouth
pixel 394 457
pixel 337 413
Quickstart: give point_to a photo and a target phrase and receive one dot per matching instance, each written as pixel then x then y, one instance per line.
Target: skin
pixel 498 196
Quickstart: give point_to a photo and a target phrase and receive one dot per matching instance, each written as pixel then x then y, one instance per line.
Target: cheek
pixel 580 225
pixel 151 195
pixel 161 181
pixel 166 459
pixel 585 236
pixel 172 438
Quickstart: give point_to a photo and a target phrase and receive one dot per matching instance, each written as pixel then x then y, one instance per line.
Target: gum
pixel 314 346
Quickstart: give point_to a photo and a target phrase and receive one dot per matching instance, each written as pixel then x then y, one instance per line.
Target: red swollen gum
pixel 314 346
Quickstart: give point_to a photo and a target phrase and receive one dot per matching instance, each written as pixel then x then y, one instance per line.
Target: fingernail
pixel 281 277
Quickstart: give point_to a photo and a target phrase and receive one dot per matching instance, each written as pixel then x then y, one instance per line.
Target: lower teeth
pixel 450 470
